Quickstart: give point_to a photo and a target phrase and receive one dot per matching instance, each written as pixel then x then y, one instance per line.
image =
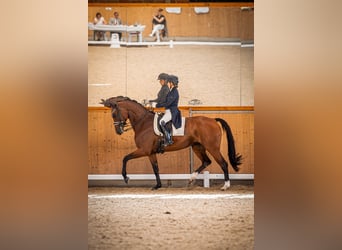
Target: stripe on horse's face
pixel 120 117
pixel 114 113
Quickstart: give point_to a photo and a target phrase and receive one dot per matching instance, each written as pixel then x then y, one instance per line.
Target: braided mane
pixel 112 102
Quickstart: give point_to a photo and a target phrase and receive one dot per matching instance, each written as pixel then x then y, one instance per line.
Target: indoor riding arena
pixel 210 47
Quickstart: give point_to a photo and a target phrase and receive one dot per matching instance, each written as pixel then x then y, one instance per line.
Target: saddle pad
pixel 175 132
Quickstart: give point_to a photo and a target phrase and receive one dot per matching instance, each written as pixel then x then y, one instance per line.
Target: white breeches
pixel 156 29
pixel 167 117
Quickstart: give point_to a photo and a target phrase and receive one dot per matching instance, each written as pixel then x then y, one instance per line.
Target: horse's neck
pixel 136 113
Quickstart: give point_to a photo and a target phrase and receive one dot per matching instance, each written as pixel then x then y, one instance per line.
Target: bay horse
pixel 201 133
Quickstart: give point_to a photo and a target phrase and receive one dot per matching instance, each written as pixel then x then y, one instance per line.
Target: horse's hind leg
pixel 224 165
pixel 153 160
pixel 199 150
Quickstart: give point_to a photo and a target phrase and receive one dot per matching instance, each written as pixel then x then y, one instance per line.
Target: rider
pixel 171 109
pixel 164 90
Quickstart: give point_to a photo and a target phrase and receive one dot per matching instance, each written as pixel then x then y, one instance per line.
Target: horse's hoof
pixel 226 186
pixel 193 178
pixel 191 183
pixel 156 187
pixel 126 179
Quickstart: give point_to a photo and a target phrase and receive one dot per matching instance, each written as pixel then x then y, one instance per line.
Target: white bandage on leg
pixel 226 185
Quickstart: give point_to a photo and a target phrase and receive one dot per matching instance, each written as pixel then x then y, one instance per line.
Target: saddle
pixel 174 131
pixel 169 126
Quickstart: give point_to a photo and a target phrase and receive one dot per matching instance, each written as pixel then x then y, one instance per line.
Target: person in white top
pixel 159 24
pixel 115 21
pixel 99 20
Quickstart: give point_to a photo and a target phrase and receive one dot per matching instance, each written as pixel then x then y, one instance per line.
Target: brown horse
pixel 201 133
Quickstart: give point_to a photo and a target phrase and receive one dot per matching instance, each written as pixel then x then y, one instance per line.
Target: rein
pixel 122 124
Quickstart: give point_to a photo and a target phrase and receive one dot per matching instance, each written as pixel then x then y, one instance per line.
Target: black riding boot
pixel 167 134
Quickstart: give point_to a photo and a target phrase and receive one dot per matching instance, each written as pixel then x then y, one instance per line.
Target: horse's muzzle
pixel 119 130
pixel 119 127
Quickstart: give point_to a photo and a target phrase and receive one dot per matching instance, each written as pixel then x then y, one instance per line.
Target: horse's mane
pixel 112 101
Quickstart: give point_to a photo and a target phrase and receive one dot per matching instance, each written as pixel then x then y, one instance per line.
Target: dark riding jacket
pixel 164 90
pixel 171 103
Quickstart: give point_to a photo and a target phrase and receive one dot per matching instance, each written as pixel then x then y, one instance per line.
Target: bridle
pixel 122 123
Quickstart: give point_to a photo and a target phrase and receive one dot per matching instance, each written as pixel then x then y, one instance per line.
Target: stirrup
pixel 168 141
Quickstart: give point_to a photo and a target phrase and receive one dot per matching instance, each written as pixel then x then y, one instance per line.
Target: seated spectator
pixel 115 21
pixel 159 25
pixel 99 20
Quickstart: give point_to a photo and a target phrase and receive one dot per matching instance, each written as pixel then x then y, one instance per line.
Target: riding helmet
pixel 173 79
pixel 163 76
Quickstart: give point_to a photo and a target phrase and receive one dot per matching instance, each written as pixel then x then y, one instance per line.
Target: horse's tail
pixel 234 159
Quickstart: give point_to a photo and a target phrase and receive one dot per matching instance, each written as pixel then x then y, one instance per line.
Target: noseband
pixel 121 123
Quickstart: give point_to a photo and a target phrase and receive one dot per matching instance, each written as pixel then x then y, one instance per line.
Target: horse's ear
pixel 106 103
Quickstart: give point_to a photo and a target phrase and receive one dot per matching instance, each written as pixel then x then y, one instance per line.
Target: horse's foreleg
pixel 136 154
pixel 154 162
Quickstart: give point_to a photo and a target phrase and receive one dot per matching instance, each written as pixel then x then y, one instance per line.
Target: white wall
pixel 216 75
